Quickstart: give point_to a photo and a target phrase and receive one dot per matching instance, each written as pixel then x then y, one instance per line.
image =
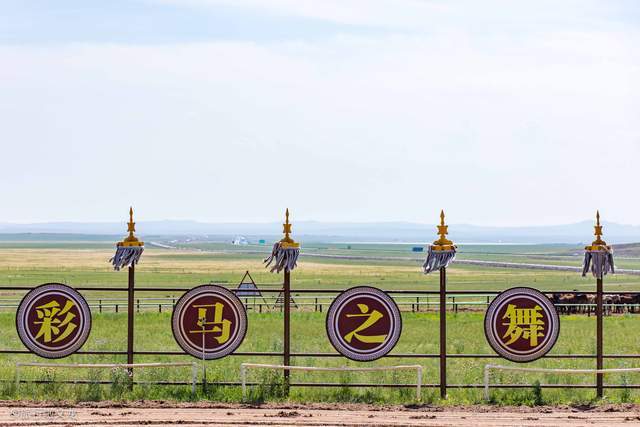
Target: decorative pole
pixel 285 254
pixel 599 259
pixel 441 253
pixel 128 254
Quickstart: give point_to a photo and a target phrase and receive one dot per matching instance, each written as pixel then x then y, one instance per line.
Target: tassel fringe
pixel 283 259
pixel 126 256
pixel 437 259
pixel 599 262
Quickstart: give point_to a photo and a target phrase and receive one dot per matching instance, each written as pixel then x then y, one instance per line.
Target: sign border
pixel 386 349
pixel 83 307
pixel 242 322
pixel 546 348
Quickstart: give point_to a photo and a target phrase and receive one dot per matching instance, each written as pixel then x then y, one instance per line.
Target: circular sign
pixel 363 323
pixel 53 320
pixel 209 322
pixel 521 324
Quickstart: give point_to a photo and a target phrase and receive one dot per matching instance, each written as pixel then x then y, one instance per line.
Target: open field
pixel 181 268
pixel 420 335
pixel 79 265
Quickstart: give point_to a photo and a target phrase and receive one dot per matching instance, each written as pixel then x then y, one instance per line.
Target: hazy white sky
pixel 500 112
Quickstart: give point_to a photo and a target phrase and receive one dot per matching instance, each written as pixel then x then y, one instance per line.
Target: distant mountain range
pixel 337 232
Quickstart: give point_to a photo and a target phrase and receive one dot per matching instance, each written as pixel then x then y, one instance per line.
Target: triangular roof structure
pixel 248 288
pixel 280 300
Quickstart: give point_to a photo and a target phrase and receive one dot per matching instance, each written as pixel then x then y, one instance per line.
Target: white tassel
pixel 126 256
pixel 438 259
pixel 599 262
pixel 285 258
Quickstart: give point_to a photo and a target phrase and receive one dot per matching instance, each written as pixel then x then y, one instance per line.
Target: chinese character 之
pixel 371 318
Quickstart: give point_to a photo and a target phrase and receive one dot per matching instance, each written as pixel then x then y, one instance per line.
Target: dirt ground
pixel 162 413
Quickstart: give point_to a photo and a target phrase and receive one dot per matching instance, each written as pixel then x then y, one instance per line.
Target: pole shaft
pixel 443 332
pixel 287 327
pixel 599 337
pixel 130 296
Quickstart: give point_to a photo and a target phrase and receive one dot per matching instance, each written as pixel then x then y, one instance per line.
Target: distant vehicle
pixel 417 249
pixel 240 240
pixel 262 241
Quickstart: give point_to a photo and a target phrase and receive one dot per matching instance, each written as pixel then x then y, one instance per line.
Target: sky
pixel 500 112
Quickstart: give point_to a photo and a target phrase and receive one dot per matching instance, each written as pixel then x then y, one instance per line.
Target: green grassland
pixel 89 267
pixel 420 335
pixel 394 267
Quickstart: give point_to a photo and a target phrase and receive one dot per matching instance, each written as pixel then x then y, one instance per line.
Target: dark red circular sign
pixel 53 320
pixel 521 324
pixel 363 323
pixel 209 322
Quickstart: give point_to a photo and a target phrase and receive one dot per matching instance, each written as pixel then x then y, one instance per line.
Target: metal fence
pixel 410 300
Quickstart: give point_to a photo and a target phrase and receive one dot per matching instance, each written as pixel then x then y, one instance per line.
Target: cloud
pixel 435 15
pixel 538 128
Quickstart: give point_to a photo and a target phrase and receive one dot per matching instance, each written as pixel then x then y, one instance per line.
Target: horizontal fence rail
pixel 318 300
pixel 407 300
pixel 244 366
pixel 488 368
pixel 193 365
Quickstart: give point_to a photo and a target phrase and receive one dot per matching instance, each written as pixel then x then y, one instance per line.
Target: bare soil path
pixel 206 414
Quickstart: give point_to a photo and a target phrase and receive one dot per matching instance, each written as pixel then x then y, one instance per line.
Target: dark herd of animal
pixel 577 302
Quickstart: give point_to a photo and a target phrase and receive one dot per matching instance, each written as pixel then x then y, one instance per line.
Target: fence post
pixel 443 332
pixel 287 324
pixel 130 296
pixel 18 374
pixel 243 377
pixel 486 382
pixel 599 349
pixel 100 306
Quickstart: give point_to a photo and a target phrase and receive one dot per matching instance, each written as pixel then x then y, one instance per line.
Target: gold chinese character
pixel 219 325
pixel 52 320
pixel 523 323
pixel 372 318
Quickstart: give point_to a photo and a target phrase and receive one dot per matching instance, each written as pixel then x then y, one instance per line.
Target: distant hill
pixel 309 231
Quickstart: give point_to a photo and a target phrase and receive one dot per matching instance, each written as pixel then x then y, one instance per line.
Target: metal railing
pixel 286 355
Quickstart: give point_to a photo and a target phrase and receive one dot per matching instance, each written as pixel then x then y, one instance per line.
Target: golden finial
pixel 598 244
pixel 287 241
pixel 131 239
pixel 443 244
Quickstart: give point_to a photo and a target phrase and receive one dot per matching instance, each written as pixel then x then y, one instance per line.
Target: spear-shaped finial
pixel 286 229
pixel 131 239
pixel 443 243
pixel 598 232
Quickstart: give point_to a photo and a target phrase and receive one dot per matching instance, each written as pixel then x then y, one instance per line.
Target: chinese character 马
pixel 371 319
pixel 523 323
pixel 218 325
pixel 55 321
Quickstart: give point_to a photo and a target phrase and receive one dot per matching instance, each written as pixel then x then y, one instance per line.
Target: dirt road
pixel 152 414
